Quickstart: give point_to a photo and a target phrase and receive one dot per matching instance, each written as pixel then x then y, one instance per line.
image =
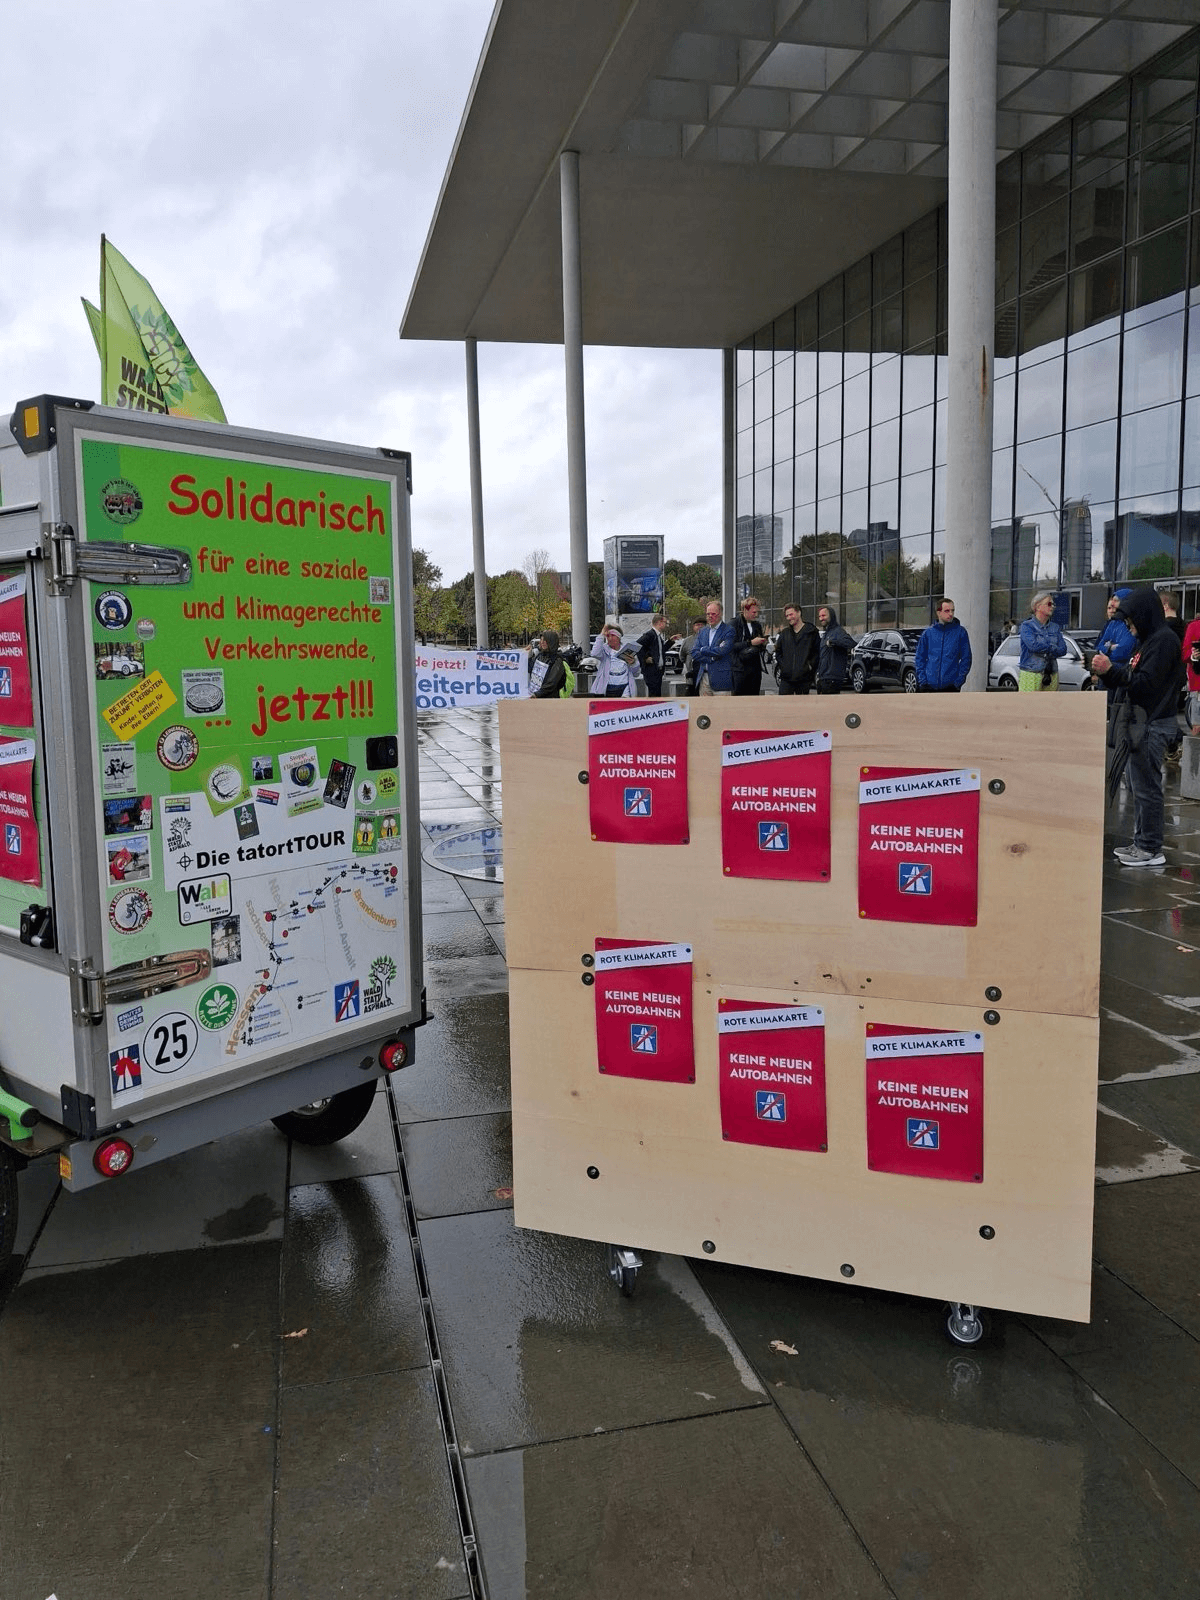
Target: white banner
pixel 770 1020
pixel 643 955
pixel 620 719
pixel 469 677
pixel 778 748
pixel 924 1044
pixel 917 786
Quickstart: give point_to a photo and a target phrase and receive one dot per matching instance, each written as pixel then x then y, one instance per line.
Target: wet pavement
pixel 274 1371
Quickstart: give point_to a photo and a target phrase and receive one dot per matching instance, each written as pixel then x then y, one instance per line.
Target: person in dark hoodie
pixel 547 669
pixel 1146 694
pixel 836 645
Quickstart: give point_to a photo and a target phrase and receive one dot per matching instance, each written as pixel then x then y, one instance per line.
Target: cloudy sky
pixel 272 169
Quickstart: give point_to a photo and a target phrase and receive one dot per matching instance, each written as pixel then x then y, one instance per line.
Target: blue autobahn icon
pixel 643 1038
pixel 773 836
pixel 916 877
pixel 770 1105
pixel 5 683
pixel 921 1134
pixel 12 838
pixel 638 803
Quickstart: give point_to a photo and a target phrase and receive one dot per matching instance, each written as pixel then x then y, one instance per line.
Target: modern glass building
pixel 841 402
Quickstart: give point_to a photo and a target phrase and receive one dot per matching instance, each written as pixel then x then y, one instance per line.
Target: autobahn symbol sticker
pixel 637 771
pixel 771 1061
pixel 918 846
pixel 925 1102
pixel 644 1010
pixel 775 805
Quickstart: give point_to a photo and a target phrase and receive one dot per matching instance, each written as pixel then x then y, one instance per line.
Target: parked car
pixel 1005 664
pixel 886 656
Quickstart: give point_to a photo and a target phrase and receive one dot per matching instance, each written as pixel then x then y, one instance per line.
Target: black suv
pixel 887 656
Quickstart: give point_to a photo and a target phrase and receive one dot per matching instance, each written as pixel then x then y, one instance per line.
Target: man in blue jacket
pixel 943 653
pixel 712 654
pixel 1116 642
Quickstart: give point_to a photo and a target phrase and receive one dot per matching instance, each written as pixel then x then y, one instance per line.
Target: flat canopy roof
pixel 733 154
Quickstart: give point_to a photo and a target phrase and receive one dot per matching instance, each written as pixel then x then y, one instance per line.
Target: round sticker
pixel 303 774
pixel 217 1006
pixel 366 792
pixel 170 1042
pixel 224 784
pixel 203 697
pixel 144 628
pixel 177 748
pixel 112 609
pixel 121 501
pixel 130 911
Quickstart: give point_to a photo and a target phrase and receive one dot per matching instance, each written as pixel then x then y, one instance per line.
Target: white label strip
pixel 898 1045
pixel 635 716
pixel 770 1019
pixel 643 955
pixel 924 786
pixel 775 749
pixel 17 750
pixel 11 588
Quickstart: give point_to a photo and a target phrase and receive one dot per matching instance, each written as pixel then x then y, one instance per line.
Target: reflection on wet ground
pixel 271 1371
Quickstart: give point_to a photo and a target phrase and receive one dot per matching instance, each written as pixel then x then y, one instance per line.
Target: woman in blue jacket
pixel 1042 643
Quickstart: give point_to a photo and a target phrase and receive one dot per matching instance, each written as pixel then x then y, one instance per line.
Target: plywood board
pixel 1038 936
pixel 668 1181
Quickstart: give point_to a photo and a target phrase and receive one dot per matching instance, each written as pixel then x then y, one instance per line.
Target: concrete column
pixel 481 612
pixel 971 318
pixel 572 293
pixel 729 482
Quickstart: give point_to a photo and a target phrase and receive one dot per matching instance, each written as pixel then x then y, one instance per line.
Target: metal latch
pixel 91 991
pixel 107 561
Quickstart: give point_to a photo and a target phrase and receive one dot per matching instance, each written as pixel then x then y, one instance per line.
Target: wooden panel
pixel 1038 937
pixel 668 1181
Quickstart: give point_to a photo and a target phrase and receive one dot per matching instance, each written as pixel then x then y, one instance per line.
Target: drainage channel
pixel 458 1477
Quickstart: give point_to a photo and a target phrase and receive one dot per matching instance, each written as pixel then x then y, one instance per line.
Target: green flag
pixel 94 316
pixel 146 364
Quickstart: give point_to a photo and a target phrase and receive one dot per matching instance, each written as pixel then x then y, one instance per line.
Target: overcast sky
pixel 272 169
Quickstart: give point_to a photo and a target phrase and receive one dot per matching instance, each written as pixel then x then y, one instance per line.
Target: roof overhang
pixel 733 154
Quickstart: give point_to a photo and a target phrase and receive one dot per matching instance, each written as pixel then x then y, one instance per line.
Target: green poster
pixel 240 720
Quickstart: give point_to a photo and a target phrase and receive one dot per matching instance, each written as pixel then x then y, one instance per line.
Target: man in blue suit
pixel 712 655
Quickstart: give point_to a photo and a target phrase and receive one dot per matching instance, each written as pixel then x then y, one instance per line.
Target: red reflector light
pixel 394 1054
pixel 112 1158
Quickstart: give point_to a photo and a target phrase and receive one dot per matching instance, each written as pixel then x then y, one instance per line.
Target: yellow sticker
pixel 137 709
pixel 64 1168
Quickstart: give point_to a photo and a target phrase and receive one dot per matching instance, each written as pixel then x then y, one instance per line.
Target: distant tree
pixel 1156 566
pixel 700 580
pixel 433 607
pixel 512 605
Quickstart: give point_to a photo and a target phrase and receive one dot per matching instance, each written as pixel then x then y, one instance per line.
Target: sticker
pixel 262 769
pixel 138 709
pixel 225 786
pixel 177 832
pixel 120 660
pixel 347 1000
pixel 301 774
pixel 643 999
pixel 637 767
pixel 775 804
pixel 771 1063
pixel 339 783
pixel 925 1102
pixel 226 936
pixel 916 877
pixel 389 785
pixel 388 831
pixel 16 685
pixel 376 996
pixel 130 911
pixel 267 797
pixel 118 769
pixel 379 591
pixel 364 833
pixel 205 899
pixel 128 858
pixel 170 1043
pixel 20 860
pixel 133 1018
pixel 918 845
pixel 204 692
pixel 132 815
pixel 112 609
pixel 177 747
pixel 246 818
pixel 144 628
pixel 121 501
pixel 125 1066
pixel 365 793
pixel 217 1006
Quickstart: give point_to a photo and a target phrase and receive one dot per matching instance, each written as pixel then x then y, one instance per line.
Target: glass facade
pixel 841 402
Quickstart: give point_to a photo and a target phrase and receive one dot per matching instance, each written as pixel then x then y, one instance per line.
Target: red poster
pixel 918 845
pixel 19 846
pixel 775 805
pixel 637 771
pixel 772 1064
pixel 644 1010
pixel 925 1102
pixel 16 694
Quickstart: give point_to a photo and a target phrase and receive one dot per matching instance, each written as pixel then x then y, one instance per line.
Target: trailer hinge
pixel 108 561
pixel 92 991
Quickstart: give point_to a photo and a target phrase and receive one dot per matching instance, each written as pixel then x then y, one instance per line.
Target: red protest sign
pixel 637 771
pixel 925 1102
pixel 775 805
pixel 16 692
pixel 644 1010
pixel 772 1066
pixel 918 845
pixel 19 841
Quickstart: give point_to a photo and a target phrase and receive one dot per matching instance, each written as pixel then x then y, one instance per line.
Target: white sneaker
pixel 1123 850
pixel 1135 857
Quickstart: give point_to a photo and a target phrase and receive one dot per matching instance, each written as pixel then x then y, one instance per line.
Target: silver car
pixel 1005 665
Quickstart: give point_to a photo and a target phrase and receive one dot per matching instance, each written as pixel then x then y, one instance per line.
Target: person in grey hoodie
pixel 836 645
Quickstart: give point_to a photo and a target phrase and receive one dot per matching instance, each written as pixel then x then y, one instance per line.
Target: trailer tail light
pixel 394 1054
pixel 112 1158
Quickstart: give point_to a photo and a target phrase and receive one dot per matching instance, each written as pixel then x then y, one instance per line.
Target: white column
pixel 971 318
pixel 572 293
pixel 481 612
pixel 729 482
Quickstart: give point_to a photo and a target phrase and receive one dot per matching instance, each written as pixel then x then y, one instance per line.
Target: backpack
pixel 568 688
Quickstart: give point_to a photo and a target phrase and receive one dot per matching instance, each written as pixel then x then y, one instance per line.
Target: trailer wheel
pixel 326 1121
pixel 8 1206
pixel 965 1324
